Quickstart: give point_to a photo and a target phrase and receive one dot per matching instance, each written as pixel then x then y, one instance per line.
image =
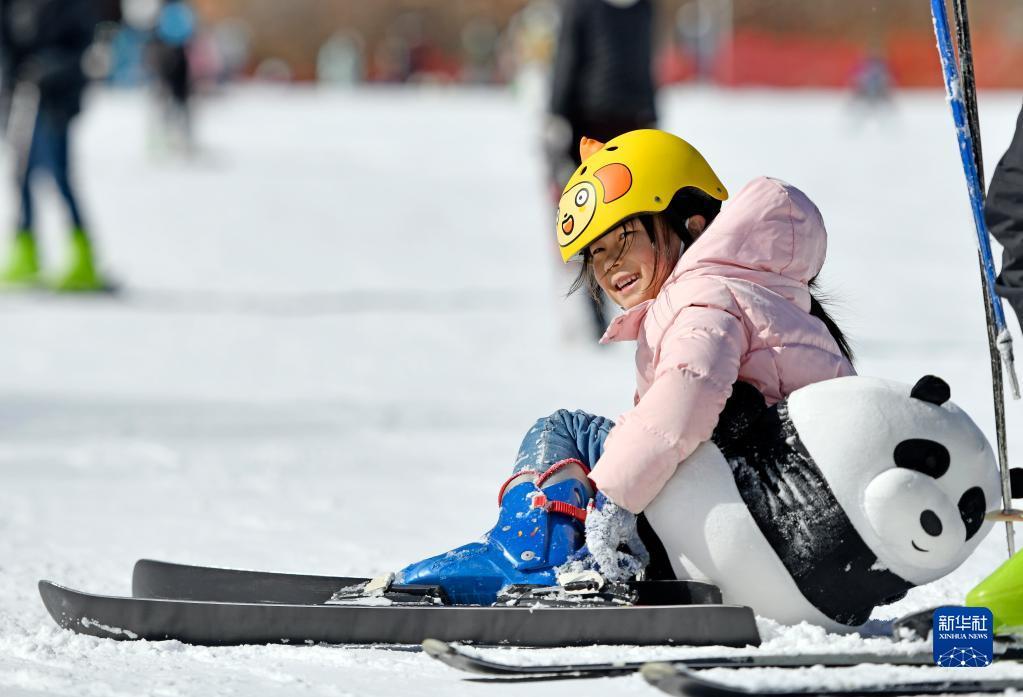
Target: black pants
pixel 49 150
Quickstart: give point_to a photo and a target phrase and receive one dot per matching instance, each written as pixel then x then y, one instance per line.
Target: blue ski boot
pixel 539 527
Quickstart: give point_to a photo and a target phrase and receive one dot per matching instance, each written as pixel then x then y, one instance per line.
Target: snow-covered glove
pixel 612 540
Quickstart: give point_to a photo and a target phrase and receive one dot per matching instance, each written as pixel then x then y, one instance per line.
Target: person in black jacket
pixel 1004 215
pixel 42 43
pixel 602 86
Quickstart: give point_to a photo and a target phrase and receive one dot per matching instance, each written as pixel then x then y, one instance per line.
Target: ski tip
pixel 48 589
pixel 140 577
pixel 145 563
pixel 435 648
pixel 51 593
pixel 150 577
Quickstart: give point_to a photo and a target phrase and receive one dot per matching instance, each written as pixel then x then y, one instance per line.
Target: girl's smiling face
pixel 629 266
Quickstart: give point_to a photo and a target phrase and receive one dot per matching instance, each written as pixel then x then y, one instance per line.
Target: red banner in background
pixel 759 58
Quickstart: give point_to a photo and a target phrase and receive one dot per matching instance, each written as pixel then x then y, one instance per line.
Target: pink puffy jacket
pixel 736 307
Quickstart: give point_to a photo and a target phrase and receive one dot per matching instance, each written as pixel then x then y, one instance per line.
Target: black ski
pixel 683 681
pixel 170 581
pixel 228 623
pixel 457 657
pixel 161 579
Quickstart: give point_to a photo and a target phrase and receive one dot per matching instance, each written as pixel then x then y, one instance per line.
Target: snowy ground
pixel 341 317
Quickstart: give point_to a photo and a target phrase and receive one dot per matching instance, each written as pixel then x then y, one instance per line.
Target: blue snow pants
pixel 562 435
pixel 576 434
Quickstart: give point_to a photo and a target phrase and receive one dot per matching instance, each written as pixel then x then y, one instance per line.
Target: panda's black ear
pixel 931 389
pixel 1016 482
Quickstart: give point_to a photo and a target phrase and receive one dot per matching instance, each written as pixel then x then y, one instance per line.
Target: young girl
pixel 712 300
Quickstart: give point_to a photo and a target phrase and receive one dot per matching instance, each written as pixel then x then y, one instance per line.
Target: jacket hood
pixel 770 234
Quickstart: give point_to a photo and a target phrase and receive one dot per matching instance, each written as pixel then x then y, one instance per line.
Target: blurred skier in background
pixel 1004 214
pixel 41 45
pixel 873 90
pixel 602 86
pixel 872 82
pixel 168 59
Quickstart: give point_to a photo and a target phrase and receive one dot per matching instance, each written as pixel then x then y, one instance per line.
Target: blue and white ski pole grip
pixel 953 87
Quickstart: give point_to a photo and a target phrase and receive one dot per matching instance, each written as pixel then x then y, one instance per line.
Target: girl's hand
pixel 613 541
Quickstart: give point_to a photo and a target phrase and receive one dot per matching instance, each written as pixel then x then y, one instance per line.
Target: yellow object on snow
pixel 1002 593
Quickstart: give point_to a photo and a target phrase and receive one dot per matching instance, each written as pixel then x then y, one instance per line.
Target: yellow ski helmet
pixel 637 172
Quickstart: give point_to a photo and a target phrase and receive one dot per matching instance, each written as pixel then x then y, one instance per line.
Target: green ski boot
pixel 22 269
pixel 1002 593
pixel 81 276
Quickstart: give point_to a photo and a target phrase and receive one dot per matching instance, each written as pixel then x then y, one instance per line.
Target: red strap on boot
pixel 567 509
pixel 540 501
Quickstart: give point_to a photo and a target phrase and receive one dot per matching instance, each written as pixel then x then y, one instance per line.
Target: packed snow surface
pixel 340 317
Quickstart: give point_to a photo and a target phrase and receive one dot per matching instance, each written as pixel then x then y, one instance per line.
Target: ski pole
pixel 962 100
pixel 954 88
pixel 961 18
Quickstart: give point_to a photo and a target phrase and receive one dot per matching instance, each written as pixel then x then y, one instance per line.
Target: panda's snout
pixel 930 522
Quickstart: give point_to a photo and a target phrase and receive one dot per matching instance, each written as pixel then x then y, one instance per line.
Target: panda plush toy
pixel 832 502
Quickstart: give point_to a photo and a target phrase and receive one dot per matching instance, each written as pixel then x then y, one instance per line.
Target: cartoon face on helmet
pixel 637 172
pixel 913 472
pixel 575 211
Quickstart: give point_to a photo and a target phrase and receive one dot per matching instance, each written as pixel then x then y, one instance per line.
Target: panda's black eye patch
pixel 972 506
pixel 924 456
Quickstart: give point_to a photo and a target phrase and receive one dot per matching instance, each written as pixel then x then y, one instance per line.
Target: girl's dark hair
pixel 818 311
pixel 688 202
